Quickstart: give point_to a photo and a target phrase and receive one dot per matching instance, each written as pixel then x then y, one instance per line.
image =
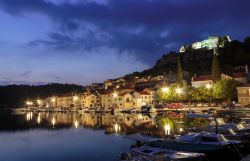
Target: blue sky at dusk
pixel 84 41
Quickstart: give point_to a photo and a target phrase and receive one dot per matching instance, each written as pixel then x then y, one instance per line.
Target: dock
pixel 247 158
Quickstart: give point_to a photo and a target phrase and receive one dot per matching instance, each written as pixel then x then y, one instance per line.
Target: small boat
pixel 148 109
pixel 158 154
pixel 142 151
pixel 196 115
pixel 232 131
pixel 196 142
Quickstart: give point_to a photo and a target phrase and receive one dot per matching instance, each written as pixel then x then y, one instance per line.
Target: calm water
pixel 80 137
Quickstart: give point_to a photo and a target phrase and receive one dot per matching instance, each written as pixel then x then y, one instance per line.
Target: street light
pixel 75 98
pixel 115 95
pixel 39 102
pixel 209 87
pixel 28 103
pixel 178 90
pixel 53 100
pixel 165 89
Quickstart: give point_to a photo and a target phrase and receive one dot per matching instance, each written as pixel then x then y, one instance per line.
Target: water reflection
pixel 53 121
pixel 29 116
pixel 167 129
pixel 38 119
pixel 76 124
pixel 156 125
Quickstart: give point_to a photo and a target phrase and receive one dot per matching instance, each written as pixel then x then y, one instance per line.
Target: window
pixel 209 139
pixel 127 100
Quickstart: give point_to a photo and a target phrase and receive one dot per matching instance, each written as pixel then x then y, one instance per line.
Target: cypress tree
pixel 179 70
pixel 216 70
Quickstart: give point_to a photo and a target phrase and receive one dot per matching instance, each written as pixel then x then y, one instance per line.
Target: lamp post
pixel 165 89
pixel 75 100
pixel 178 91
pixel 209 87
pixel 39 102
pixel 53 100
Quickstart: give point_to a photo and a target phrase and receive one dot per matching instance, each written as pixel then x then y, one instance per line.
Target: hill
pixel 234 53
pixel 16 95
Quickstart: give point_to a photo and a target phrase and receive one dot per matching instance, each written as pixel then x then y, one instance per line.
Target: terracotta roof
pixel 123 94
pixel 106 92
pixel 239 75
pixel 202 78
pixel 247 85
pixel 143 93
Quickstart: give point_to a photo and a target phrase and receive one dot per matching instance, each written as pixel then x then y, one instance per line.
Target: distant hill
pixel 16 95
pixel 234 53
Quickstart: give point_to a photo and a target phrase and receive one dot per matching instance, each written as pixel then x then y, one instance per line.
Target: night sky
pixel 84 41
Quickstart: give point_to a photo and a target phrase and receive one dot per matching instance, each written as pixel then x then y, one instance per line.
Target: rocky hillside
pixel 234 53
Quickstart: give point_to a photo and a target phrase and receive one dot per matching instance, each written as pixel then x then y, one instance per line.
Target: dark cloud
pixel 25 74
pixel 140 27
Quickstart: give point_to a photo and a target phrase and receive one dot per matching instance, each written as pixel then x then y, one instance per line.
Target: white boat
pixel 144 151
pixel 196 142
pixel 158 154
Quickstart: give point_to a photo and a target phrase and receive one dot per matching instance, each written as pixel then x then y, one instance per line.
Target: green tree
pixel 171 94
pixel 179 70
pixel 199 94
pixel 216 70
pixel 225 90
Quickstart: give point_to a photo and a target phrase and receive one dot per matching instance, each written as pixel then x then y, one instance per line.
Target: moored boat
pixel 196 142
pixel 158 154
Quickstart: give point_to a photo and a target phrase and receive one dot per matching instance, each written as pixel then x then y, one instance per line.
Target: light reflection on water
pixel 71 137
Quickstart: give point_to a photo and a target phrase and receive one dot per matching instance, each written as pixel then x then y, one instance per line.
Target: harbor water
pixel 43 136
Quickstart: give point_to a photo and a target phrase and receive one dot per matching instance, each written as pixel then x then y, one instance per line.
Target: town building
pixel 106 97
pixel 142 98
pixel 123 100
pixel 90 100
pixel 244 94
pixel 68 100
pixel 201 81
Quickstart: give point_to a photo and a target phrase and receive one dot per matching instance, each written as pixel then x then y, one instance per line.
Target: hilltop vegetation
pixel 234 53
pixel 16 95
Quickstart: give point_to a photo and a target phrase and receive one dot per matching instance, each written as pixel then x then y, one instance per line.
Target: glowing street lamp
pixel 28 103
pixel 53 100
pixel 208 86
pixel 115 95
pixel 165 89
pixel 75 98
pixel 39 101
pixel 178 90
